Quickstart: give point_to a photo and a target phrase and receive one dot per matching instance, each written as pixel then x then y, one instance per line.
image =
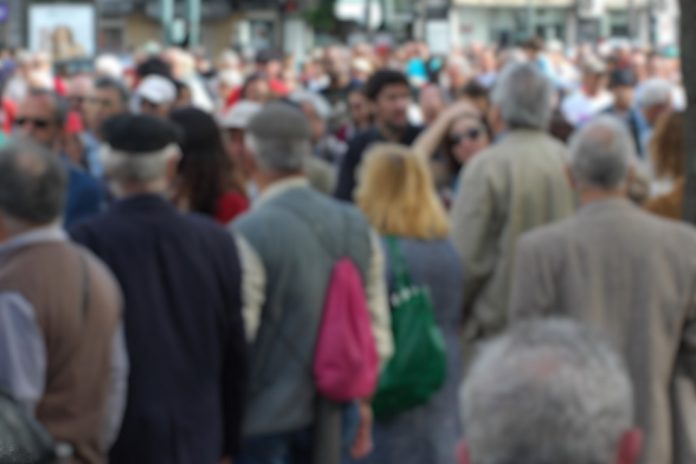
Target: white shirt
pixel 578 108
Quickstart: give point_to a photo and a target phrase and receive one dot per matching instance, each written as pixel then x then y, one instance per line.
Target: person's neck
pixel 265 180
pixel 10 229
pixel 590 195
pixel 390 133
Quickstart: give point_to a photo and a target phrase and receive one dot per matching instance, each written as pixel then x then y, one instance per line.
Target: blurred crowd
pixel 173 227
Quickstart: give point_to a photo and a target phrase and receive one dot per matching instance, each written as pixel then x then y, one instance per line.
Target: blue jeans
pixel 295 447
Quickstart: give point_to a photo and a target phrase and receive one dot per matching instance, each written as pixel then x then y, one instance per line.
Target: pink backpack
pixel 346 365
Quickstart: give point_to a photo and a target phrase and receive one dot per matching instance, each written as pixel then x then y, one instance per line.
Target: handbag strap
pixel 398 263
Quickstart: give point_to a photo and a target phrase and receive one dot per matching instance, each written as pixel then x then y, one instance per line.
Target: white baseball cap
pixel 239 115
pixel 157 89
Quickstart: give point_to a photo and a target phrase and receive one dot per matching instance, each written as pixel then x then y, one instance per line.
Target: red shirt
pixel 230 205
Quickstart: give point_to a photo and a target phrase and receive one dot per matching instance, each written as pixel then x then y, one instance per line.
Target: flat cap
pixel 278 120
pixel 139 134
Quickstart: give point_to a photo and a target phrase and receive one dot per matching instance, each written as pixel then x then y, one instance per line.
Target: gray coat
pixel 632 275
pixel 510 188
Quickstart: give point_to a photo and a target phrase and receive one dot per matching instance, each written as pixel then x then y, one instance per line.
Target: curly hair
pixel 667 145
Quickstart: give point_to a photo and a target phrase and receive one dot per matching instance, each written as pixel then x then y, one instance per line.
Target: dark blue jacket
pixel 180 276
pixel 86 196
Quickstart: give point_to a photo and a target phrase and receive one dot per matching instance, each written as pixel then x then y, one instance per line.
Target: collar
pixel 613 203
pixel 51 233
pixel 281 187
pixel 143 202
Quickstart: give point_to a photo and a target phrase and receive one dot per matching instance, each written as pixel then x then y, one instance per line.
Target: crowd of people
pixel 496 232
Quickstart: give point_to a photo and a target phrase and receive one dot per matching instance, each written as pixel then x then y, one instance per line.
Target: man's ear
pixel 172 169
pixel 630 447
pixel 571 178
pixel 463 456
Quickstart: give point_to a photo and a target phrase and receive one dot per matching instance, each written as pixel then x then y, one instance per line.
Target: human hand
pixel 362 446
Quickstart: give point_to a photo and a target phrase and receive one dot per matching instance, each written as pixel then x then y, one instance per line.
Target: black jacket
pixel 180 276
pixel 356 150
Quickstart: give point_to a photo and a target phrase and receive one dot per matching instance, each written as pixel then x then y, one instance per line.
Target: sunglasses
pixel 472 134
pixel 36 122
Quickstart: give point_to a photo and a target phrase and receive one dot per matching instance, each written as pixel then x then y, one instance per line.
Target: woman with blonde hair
pixel 667 149
pixel 397 195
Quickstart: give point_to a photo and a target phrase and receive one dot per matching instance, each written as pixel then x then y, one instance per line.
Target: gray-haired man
pixel 516 185
pixel 549 392
pixel 616 267
pixel 62 356
pixel 290 242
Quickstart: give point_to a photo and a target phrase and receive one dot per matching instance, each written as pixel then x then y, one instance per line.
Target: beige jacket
pixel 633 276
pixel 514 186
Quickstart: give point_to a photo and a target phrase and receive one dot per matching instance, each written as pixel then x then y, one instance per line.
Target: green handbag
pixel 418 368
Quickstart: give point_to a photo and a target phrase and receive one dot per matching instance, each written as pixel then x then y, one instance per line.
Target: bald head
pixel 32 183
pixel 602 154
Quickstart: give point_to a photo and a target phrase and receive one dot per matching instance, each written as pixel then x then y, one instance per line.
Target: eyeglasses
pixel 472 134
pixel 36 122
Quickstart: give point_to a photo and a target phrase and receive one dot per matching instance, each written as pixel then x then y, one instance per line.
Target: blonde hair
pixel 397 194
pixel 667 145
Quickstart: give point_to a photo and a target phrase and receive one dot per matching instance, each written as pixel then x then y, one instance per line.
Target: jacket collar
pixel 281 187
pixel 146 202
pixel 609 204
pixel 51 233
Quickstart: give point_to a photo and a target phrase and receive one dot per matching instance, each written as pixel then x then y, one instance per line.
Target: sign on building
pixel 590 8
pixel 66 30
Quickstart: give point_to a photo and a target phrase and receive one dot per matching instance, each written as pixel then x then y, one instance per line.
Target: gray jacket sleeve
pixel 22 351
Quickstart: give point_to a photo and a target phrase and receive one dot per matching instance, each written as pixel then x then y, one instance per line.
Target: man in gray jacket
pixel 515 185
pixel 290 242
pixel 628 273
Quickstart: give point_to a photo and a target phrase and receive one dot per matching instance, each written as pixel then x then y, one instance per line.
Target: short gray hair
pixel 127 168
pixel 33 183
pixel 548 391
pixel 601 153
pixel 655 92
pixel 524 96
pixel 279 138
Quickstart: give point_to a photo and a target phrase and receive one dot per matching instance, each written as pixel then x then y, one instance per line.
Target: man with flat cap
pixel 180 276
pixel 290 241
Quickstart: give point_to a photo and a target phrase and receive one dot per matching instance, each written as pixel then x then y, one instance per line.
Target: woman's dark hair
pixel 206 172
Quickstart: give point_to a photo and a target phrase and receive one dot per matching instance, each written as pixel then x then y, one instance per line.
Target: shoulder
pixel 549 236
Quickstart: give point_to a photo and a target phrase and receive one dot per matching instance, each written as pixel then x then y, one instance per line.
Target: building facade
pixel 571 21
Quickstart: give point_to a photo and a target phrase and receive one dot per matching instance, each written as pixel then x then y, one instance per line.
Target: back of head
pixel 397 195
pixel 32 183
pixel 655 92
pixel 205 168
pixel 138 147
pixel 524 96
pixel 547 392
pixel 279 136
pixel 602 153
pixel 381 79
